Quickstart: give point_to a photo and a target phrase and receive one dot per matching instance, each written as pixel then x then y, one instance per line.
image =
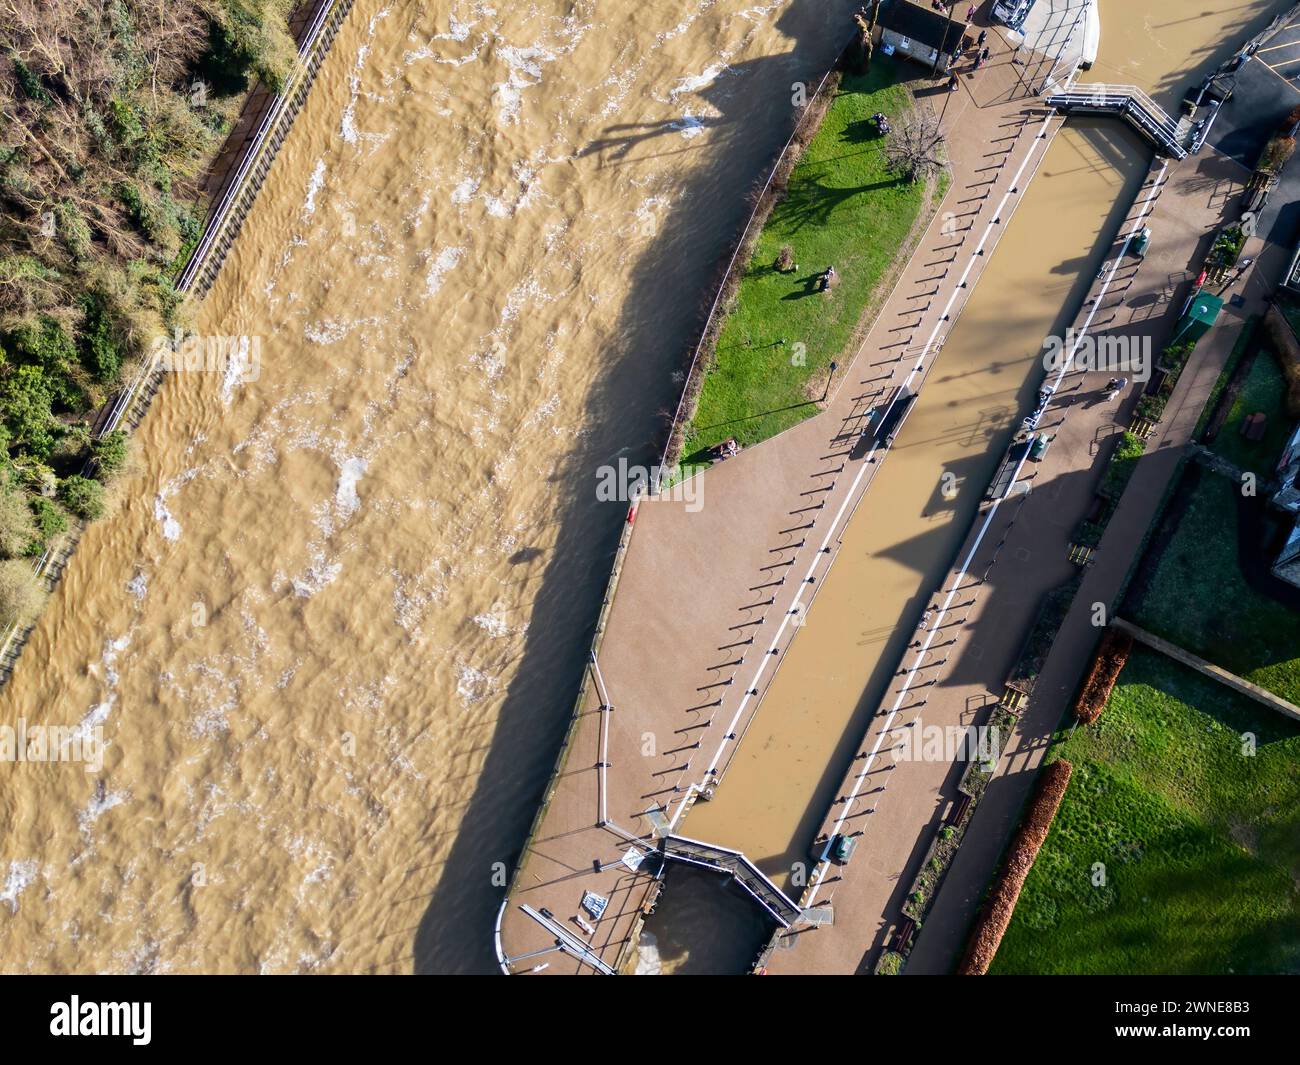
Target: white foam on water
pixel 456 30
pixel 493 624
pixel 98 714
pixel 20 877
pixel 688 125
pixel 699 81
pixel 314 186
pixel 100 803
pixel 524 68
pixel 346 500
pixel 171 528
pixel 443 263
pixel 240 367
pixel 524 72
pixel 328 331
pixel 465 189
pixel 319 575
pixel 472 684
pixel 348 124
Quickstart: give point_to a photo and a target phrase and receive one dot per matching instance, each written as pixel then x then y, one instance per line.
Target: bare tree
pixel 915 146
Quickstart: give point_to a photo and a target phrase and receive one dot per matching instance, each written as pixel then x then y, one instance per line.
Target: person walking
pixel 982 37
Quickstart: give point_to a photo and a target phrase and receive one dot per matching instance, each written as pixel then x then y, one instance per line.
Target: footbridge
pixel 1167 135
pixel 744 872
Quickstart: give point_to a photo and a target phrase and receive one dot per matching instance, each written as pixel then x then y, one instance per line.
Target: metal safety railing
pixel 783 909
pixel 1129 103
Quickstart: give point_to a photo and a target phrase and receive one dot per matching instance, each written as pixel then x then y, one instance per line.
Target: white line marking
pixel 824 864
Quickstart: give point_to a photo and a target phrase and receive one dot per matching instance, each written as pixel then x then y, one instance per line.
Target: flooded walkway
pixel 711 597
pixel 981 610
pixel 906 533
pixel 776 785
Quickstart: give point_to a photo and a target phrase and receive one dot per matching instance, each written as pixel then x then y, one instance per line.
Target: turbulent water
pixel 333 630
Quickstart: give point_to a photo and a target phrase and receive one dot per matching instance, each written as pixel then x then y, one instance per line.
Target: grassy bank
pixel 113 113
pixel 844 208
pixel 1199 842
pixel 1262 391
pixel 1197 597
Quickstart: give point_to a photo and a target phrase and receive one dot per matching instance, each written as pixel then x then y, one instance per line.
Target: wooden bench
pixel 903 934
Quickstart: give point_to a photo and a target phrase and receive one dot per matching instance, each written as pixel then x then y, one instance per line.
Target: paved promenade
pixel 709 596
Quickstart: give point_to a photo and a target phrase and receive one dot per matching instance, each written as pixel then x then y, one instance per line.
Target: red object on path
pixel 631 515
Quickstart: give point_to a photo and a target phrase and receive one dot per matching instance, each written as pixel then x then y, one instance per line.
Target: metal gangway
pixel 721 860
pixel 1131 104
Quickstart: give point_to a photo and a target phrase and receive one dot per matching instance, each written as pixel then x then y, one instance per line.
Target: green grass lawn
pixel 1263 390
pixel 844 209
pixel 1199 600
pixel 1201 844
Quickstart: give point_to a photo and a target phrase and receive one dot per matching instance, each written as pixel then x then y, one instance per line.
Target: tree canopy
pixel 111 112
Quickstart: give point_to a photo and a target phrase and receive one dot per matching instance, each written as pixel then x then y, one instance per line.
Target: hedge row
pixel 1280 337
pixel 1112 653
pixel 993 920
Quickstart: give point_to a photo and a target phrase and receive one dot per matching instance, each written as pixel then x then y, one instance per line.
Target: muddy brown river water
pixel 333 631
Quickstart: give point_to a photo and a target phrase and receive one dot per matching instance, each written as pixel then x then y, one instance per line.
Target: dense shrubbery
pixel 20 596
pixel 111 111
pixel 992 922
pixel 1123 461
pixel 1286 348
pixel 1112 653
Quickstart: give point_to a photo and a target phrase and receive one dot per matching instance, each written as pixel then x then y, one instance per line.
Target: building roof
pixel 922 24
pixel 1287 565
